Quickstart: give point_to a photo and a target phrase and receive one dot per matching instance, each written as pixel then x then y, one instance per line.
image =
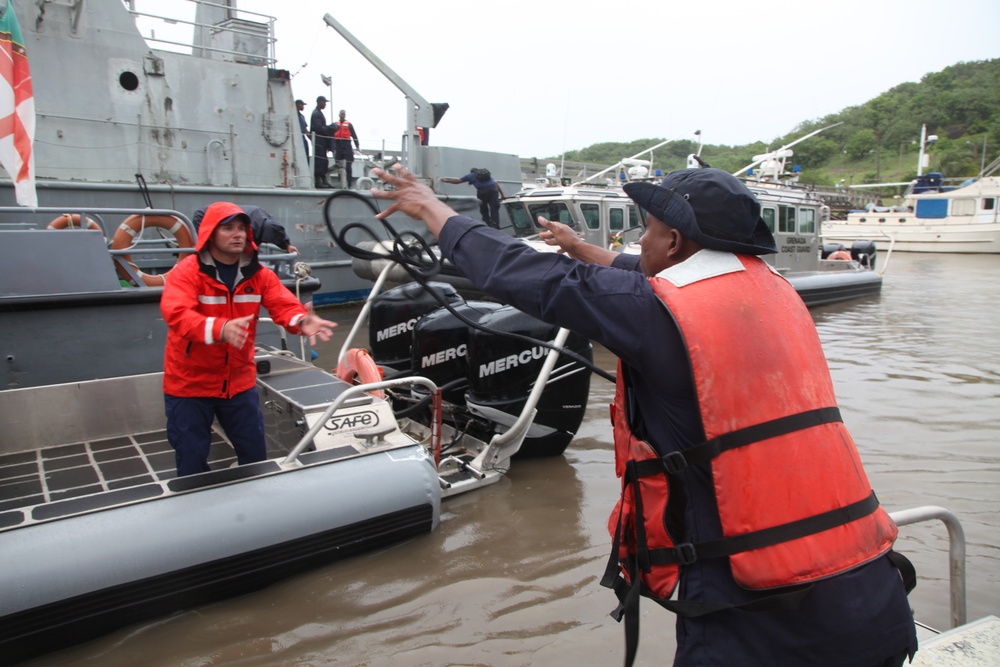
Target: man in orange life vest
pixel 742 492
pixel 343 153
pixel 210 303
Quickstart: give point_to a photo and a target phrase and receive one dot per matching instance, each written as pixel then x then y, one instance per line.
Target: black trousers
pixel 489 206
pixel 320 164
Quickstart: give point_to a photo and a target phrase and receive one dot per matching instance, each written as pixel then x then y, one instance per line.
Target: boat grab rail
pixel 503 444
pixel 875 234
pixel 506 444
pixel 956 551
pixel 365 309
pixel 291 461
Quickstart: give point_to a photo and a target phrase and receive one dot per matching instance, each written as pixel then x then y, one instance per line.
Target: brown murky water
pixel 510 577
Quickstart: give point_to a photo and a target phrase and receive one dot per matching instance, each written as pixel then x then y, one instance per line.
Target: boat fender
pixel 358 367
pixel 133 227
pixel 72 221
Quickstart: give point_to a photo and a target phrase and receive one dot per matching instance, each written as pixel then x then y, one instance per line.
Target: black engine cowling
pixel 503 370
pixel 440 342
pixel 487 377
pixel 863 252
pixel 392 317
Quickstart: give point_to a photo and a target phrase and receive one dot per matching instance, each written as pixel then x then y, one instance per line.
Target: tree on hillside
pixel 861 144
pixel 961 104
pixel 814 152
pixel 880 116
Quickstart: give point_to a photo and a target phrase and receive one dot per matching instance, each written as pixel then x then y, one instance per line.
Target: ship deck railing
pixel 956 552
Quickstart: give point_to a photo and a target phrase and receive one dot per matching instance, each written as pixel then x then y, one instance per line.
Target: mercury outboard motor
pixel 392 317
pixel 829 248
pixel 440 343
pixel 863 252
pixel 486 377
pixel 503 370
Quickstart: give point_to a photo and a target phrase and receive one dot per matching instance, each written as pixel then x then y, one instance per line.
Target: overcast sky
pixel 535 78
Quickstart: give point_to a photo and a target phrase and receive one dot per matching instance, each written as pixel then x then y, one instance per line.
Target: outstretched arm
pixel 569 242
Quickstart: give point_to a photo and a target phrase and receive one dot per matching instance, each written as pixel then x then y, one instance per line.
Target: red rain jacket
pixel 196 305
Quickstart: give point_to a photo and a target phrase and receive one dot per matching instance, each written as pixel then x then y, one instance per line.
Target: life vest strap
pixel 906 569
pixel 687 553
pixel 674 462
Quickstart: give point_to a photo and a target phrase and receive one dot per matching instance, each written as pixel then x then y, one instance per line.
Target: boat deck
pixel 70 471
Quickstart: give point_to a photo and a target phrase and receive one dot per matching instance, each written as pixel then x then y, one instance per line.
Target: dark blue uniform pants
pixel 189 428
pixel 489 206
pixel 320 163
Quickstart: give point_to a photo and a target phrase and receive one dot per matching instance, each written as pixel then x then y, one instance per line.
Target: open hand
pixel 236 331
pixel 408 195
pixel 314 326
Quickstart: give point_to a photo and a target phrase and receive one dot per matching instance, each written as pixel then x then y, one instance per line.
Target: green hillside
pixel 876 142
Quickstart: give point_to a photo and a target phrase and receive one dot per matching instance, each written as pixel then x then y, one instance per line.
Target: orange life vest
pixel 343 130
pixel 794 502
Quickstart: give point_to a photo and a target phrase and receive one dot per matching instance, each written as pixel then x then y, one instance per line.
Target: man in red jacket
pixel 210 303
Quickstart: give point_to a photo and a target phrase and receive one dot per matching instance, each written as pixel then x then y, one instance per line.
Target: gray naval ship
pixel 122 122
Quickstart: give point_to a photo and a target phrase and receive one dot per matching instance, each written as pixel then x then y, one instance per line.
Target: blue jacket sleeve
pixel 605 304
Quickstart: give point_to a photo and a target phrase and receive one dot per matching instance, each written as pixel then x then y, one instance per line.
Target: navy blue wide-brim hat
pixel 720 212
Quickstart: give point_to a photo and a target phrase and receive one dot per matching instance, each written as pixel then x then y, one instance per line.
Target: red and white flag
pixel 17 109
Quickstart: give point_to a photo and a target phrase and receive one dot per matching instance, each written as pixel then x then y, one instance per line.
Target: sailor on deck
pixel 702 359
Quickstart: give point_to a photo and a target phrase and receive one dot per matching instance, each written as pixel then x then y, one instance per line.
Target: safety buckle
pixel 686 553
pixel 674 462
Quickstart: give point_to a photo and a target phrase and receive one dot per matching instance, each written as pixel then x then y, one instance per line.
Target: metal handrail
pixel 291 460
pixel 509 442
pixel 270 39
pixel 365 309
pixel 874 235
pixel 956 551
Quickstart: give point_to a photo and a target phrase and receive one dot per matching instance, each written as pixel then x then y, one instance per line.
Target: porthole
pixel 128 80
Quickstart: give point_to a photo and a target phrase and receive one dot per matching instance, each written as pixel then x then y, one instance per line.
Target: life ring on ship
pixel 72 221
pixel 840 255
pixel 358 367
pixel 133 226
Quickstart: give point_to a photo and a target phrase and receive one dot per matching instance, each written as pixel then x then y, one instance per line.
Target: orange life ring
pixel 358 367
pixel 840 255
pixel 133 226
pixel 72 221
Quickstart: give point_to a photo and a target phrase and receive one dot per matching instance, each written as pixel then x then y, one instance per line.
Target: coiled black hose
pixel 412 252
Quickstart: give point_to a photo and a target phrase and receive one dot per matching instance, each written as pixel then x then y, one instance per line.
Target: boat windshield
pixel 553 210
pixel 520 219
